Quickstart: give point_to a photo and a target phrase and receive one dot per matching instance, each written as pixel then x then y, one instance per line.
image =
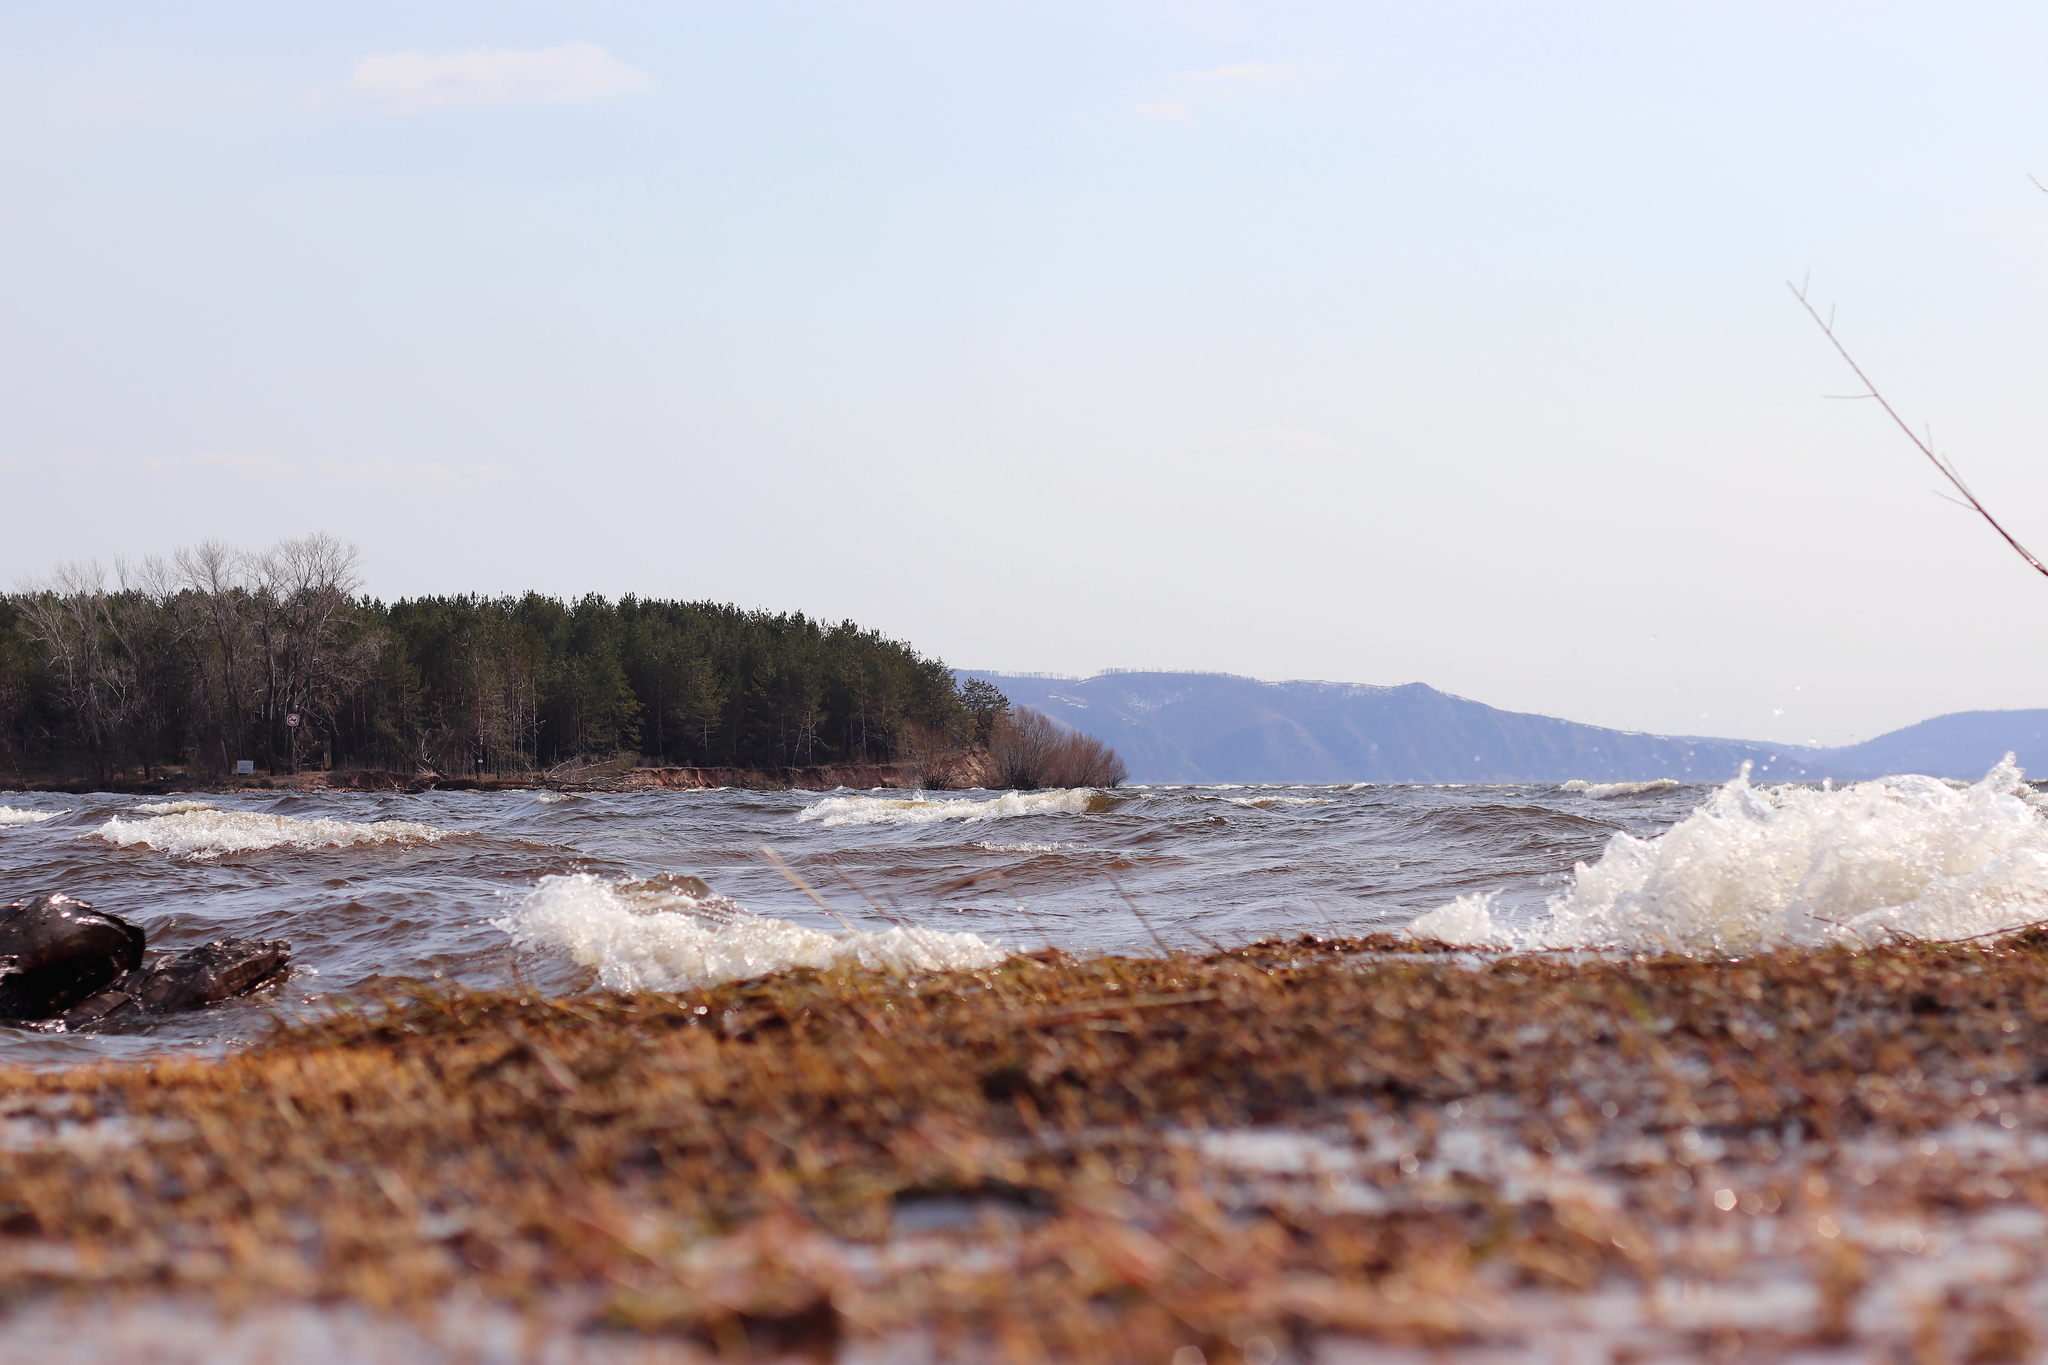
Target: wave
pixel 1268 802
pixel 1600 791
pixel 173 807
pixel 663 936
pixel 14 815
pixel 1751 869
pixel 835 812
pixel 203 834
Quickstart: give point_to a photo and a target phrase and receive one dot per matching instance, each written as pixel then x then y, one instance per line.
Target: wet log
pixel 55 951
pixel 181 981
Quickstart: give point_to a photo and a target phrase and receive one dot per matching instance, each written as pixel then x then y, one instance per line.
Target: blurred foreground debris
pixel 1330 1150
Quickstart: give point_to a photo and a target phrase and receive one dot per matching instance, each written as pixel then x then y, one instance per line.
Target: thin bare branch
pixel 787 871
pixel 1137 913
pixel 1948 470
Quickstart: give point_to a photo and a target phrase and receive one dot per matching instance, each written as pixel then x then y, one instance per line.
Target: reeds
pixel 1035 1161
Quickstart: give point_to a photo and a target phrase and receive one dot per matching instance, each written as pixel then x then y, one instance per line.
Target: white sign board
pixel 245 767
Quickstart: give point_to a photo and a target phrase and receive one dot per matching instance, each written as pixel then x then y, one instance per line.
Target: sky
pixel 1370 342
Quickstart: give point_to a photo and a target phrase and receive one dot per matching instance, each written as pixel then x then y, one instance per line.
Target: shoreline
pixel 957 772
pixel 1303 1149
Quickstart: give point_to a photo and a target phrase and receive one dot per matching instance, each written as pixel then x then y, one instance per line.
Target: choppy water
pixel 663 889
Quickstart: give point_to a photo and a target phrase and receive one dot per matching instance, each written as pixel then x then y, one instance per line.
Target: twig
pixel 1335 932
pixel 1164 950
pixel 800 884
pixel 1022 908
pixel 1995 933
pixel 1947 468
pixel 863 892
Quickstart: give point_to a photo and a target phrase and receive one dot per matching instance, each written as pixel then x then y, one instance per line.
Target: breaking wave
pixel 203 834
pixel 837 811
pixel 1751 869
pixel 172 807
pixel 672 934
pixel 1269 802
pixel 13 815
pixel 1600 791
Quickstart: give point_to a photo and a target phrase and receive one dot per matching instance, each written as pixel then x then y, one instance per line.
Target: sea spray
pixel 1756 868
pixel 1273 802
pixel 1467 921
pixel 835 812
pixel 1602 791
pixel 656 937
pixel 204 834
pixel 14 815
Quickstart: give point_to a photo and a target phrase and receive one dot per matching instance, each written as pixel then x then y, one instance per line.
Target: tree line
pixel 214 656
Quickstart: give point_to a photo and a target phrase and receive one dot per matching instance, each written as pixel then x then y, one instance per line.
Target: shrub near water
pixel 1029 751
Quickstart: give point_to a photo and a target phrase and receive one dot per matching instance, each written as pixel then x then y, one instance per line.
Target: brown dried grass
pixel 697 1164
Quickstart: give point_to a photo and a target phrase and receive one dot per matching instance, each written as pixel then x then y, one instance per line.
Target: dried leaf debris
pixel 1247 1153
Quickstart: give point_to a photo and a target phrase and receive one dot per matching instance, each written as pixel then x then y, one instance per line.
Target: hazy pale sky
pixel 1370 342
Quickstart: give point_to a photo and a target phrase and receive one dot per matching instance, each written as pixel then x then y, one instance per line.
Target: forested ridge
pixel 197 661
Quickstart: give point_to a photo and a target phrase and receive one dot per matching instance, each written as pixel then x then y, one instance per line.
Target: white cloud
pixel 1188 91
pixel 414 82
pixel 1244 71
pixel 1166 109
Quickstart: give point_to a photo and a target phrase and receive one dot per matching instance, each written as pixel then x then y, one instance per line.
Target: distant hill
pixel 1215 727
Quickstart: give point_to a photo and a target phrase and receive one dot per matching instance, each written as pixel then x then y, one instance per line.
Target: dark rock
pixel 180 981
pixel 55 951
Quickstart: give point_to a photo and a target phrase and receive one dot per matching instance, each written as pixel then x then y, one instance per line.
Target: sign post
pixel 291 721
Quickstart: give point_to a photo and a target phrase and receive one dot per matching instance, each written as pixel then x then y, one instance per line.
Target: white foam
pixel 836 811
pixel 1751 869
pixel 655 938
pixel 1600 791
pixel 1468 920
pixel 1267 802
pixel 14 815
pixel 203 834
pixel 173 807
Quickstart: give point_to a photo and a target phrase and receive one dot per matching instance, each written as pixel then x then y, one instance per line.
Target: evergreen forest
pixel 203 660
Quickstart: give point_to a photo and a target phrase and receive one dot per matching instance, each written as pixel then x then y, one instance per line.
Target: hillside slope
pixel 1213 727
pixel 1962 745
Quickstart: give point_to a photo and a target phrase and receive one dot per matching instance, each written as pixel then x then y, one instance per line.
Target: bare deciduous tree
pixel 1029 750
pixel 303 592
pixel 211 611
pixel 69 616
